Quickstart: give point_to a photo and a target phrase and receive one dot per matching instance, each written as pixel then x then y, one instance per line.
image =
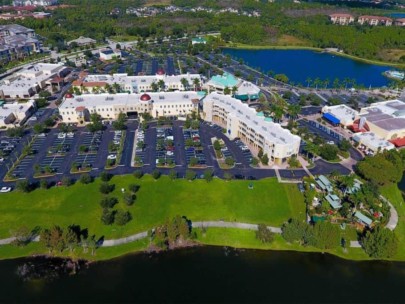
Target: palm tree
pixel 308 81
pixel 108 88
pixel 116 87
pixel 347 181
pixel 317 82
pixel 326 82
pixel 336 82
pixel 234 90
pixel 227 91
pixel 161 85
pixel 184 83
pixel 294 110
pixel 311 148
pixel 346 81
pixel 277 112
pixel 196 83
pixel 154 86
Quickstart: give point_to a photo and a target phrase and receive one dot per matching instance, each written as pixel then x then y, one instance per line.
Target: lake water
pixel 215 274
pixel 397 15
pixel 298 65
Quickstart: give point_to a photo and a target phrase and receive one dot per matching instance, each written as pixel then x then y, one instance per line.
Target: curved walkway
pixel 393 221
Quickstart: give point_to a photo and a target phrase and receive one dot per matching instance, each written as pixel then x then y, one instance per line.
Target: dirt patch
pixel 391 55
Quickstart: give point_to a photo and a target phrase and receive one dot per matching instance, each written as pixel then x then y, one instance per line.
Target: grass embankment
pixel 269 202
pixel 233 45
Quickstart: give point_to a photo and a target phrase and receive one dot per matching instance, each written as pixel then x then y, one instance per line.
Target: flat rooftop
pixel 342 112
pixel 372 141
pixel 388 115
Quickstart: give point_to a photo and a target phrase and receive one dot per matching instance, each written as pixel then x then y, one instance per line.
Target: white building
pixel 258 132
pixel 344 114
pixel 109 54
pixel 81 41
pixel 244 90
pixel 30 80
pixel 77 109
pixel 15 113
pixel 34 2
pixel 137 84
pixel 342 19
pixel 372 142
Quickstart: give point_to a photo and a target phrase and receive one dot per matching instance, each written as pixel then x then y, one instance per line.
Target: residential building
pixel 15 113
pixel 77 109
pixel 400 22
pixel 342 19
pixel 375 20
pixel 109 54
pixel 82 41
pixel 138 84
pixel 239 88
pixel 324 184
pixel 340 115
pixel 198 40
pixel 256 131
pixel 17 41
pixel 363 219
pixel 30 80
pixel 333 200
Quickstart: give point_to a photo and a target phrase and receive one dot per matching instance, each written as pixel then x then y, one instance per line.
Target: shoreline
pixel 310 48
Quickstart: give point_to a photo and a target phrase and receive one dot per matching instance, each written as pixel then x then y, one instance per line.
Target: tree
pixel 227 91
pixel 138 174
pixel 229 161
pixel 184 83
pixel 329 152
pixel 85 178
pixel 265 159
pixel 190 175
pixel 95 123
pixel 326 235
pixel 15 132
pixel 119 124
pixel 38 128
pixel 193 161
pixel 228 176
pixel 71 238
pixel 156 174
pixel 129 199
pixel 56 239
pixel 281 77
pixel 22 236
pixel 208 174
pixel 45 239
pixel 344 145
pixel 260 153
pixel 172 174
pixel 66 181
pixel 161 84
pixel 134 188
pixel 23 186
pixel 294 231
pixel 49 122
pixel 217 145
pixel 106 188
pixel 107 217
pixel 108 202
pixel 264 234
pixel 122 217
pixel 43 184
pixel 381 243
pixel 105 176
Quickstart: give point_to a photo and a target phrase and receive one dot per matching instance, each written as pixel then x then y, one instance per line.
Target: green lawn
pixel 269 202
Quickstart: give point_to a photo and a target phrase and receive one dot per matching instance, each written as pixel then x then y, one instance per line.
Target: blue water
pixel 397 15
pixel 298 65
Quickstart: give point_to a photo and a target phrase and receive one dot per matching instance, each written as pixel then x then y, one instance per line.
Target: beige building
pixel 77 109
pixel 342 19
pixel 257 131
pixel 15 113
pixel 375 20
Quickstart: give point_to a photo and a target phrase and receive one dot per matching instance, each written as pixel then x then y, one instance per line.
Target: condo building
pixel 255 130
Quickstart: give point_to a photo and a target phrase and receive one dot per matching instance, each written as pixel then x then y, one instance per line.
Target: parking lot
pixel 165 149
pixel 194 148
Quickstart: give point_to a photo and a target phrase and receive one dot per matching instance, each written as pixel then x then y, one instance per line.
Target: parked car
pixel 5 189
pixel 62 135
pixel 112 156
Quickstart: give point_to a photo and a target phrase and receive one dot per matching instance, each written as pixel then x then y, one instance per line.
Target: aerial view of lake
pixel 397 15
pixel 214 274
pixel 298 65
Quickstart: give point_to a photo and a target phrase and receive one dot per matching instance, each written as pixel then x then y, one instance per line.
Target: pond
pixel 298 65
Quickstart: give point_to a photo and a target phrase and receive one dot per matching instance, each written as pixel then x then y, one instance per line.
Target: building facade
pixel 77 109
pixel 258 132
pixel 15 113
pixel 342 19
pixel 375 20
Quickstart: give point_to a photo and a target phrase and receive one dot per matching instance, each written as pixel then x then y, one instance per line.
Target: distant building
pixel 400 22
pixel 82 41
pixel 198 40
pixel 109 54
pixel 363 219
pixel 15 113
pixel 244 90
pixel 256 131
pixel 340 115
pixel 375 20
pixel 342 19
pixel 373 143
pixel 34 2
pixel 17 41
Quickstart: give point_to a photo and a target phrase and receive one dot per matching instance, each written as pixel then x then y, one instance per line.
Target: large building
pixel 34 2
pixel 17 41
pixel 82 41
pixel 342 19
pixel 257 131
pixel 340 115
pixel 30 80
pixel 77 109
pixel 15 113
pixel 137 84
pixel 239 88
pixel 109 54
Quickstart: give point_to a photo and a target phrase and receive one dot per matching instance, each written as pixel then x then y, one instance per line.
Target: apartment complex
pixel 17 41
pixel 30 80
pixel 137 84
pixel 257 131
pixel 239 88
pixel 34 2
pixel 342 19
pixel 77 109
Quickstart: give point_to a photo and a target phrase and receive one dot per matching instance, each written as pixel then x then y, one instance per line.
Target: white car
pixel 32 118
pixel 1 159
pixel 41 135
pixel 62 135
pixel 5 189
pixel 112 156
pixel 70 134
pixel 331 142
pixel 170 153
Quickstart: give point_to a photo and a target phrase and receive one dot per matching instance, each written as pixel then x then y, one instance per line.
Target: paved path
pixel 393 221
pixel 125 240
pixel 222 224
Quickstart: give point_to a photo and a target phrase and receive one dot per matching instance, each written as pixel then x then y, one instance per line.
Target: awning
pixel 331 118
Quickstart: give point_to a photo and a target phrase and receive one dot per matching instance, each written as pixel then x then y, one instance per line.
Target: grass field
pixel 269 202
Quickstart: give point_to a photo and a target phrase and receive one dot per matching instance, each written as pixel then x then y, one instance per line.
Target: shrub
pixel 107 218
pixel 134 188
pixel 138 174
pixel 156 174
pixel 105 176
pixel 129 199
pixel 106 188
pixel 264 234
pixel 122 217
pixel 66 181
pixel 229 161
pixel 380 243
pixel 85 179
pixel 108 202
pixel 43 184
